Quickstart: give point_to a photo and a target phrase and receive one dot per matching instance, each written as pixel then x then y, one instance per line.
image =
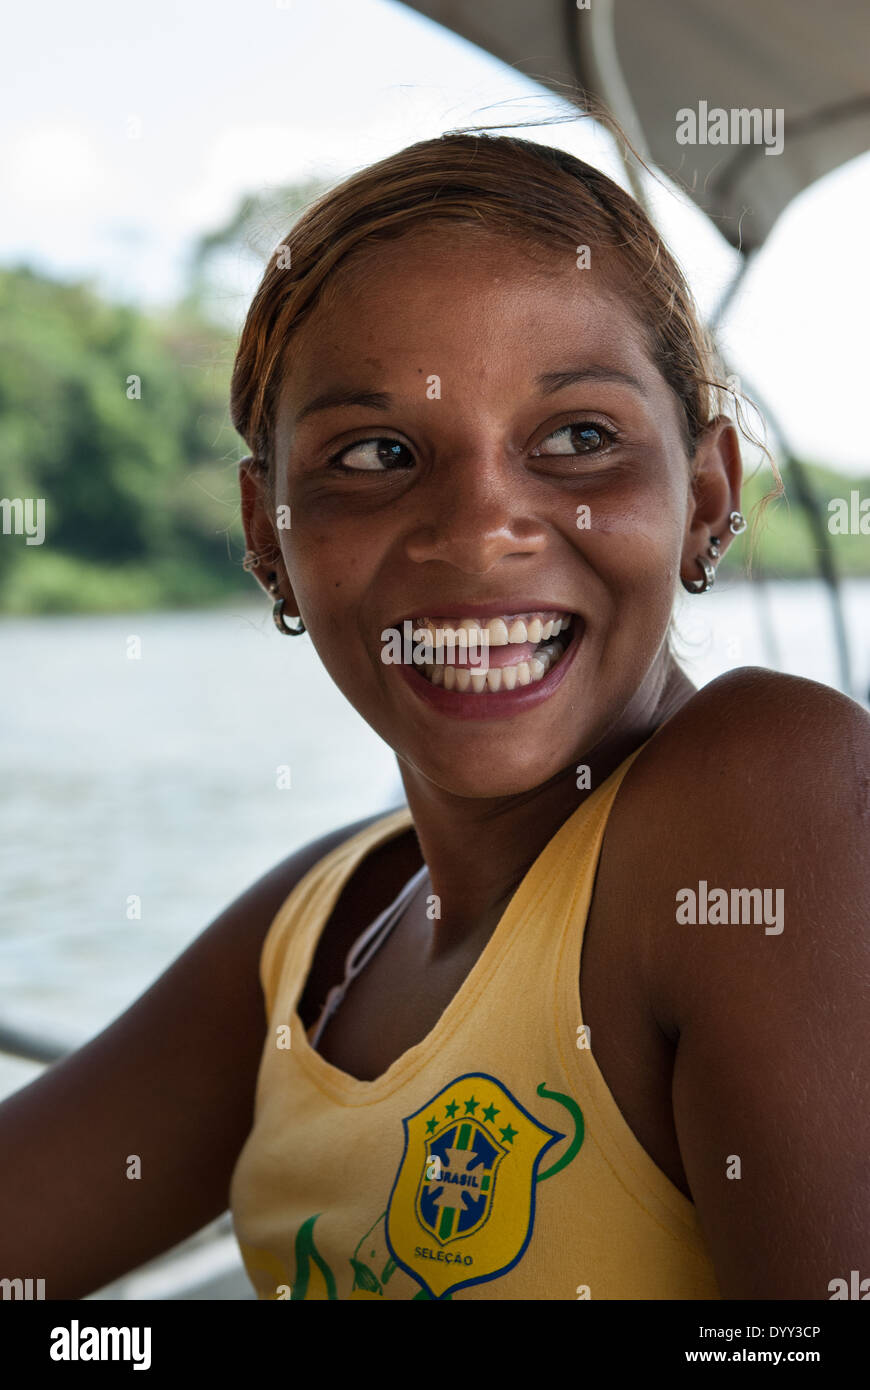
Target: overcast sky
pixel 126 130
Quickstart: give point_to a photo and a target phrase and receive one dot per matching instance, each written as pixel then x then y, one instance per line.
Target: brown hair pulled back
pixel 542 195
pixel 539 195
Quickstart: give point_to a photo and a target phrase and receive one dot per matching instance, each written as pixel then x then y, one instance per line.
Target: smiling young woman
pixel 475 377
pixel 437 385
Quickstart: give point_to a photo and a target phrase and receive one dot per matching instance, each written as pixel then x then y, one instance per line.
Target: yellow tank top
pixel 489 1161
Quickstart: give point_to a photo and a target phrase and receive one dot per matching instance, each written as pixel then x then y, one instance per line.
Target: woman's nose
pixel 476 513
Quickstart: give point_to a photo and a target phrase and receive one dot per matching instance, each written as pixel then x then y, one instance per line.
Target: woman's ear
pixel 261 533
pixel 257 520
pixel 717 476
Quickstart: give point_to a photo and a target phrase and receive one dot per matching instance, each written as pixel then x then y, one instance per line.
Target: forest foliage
pixel 140 481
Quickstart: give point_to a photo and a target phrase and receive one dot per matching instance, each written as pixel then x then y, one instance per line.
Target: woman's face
pixel 497 395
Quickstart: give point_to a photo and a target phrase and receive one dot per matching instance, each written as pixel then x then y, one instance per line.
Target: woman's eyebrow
pixel 327 400
pixel 549 381
pixel 554 381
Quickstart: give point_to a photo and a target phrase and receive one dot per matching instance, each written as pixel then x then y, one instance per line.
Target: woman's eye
pixel 581 437
pixel 372 456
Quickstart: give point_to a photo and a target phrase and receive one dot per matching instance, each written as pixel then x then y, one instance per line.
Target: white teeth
pixel 495 631
pixel 496 678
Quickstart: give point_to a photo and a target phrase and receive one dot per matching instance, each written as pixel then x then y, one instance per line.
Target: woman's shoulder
pixel 759 785
pixel 753 738
pixel 775 703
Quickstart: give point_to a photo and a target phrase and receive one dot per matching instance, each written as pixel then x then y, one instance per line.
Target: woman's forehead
pixel 481 257
pixel 463 303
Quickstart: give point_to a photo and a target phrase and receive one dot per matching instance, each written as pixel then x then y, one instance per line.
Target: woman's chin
pixel 483 779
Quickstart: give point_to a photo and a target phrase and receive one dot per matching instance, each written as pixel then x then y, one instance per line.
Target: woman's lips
pixel 503 703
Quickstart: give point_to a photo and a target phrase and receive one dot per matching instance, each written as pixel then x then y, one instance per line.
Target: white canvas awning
pixel 649 59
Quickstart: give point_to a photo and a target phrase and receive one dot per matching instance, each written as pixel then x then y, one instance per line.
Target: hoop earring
pixel 278 615
pixel 278 612
pixel 701 586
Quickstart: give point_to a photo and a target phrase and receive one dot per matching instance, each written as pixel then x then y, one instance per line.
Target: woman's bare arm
pixel 771 1088
pixel 171 1081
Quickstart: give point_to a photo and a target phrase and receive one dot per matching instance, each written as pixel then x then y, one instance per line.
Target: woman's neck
pixel 479 849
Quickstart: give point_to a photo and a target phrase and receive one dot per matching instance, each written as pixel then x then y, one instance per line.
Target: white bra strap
pixel 363 949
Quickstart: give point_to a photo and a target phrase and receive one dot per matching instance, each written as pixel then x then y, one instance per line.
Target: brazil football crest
pixel 463 1204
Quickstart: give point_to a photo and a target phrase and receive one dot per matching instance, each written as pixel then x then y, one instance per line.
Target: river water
pixel 157 777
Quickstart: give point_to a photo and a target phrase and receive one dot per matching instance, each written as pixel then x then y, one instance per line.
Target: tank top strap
pixel 547 916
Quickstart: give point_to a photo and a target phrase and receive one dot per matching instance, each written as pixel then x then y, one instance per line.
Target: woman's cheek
pixel 322 565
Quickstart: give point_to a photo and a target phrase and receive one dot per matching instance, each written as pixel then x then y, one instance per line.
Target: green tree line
pixel 139 480
pixel 119 420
